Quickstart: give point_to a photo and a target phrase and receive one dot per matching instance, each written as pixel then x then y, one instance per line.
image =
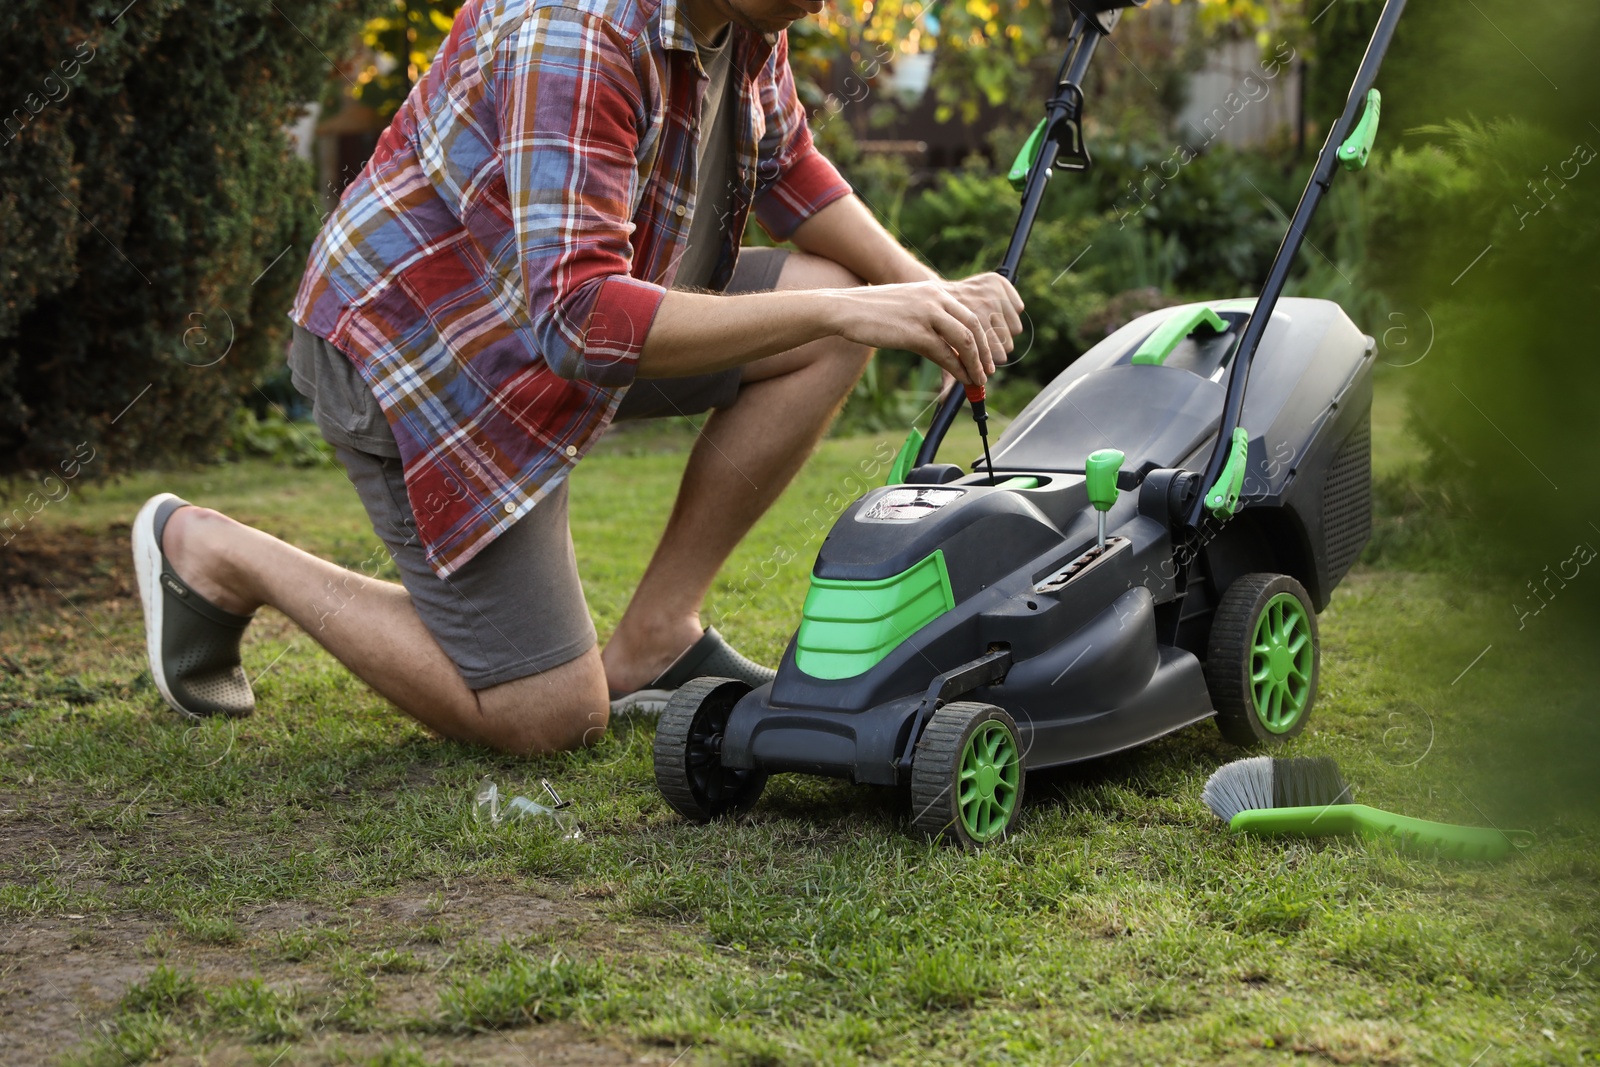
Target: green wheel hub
pixel 1281 658
pixel 987 781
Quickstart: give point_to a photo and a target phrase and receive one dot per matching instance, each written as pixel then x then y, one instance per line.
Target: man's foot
pixel 709 657
pixel 192 644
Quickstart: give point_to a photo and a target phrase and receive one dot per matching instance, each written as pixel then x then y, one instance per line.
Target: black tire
pixel 937 802
pixel 1252 709
pixel 689 770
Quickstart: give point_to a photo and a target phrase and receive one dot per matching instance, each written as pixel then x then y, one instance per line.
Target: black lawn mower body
pixel 1111 657
pixel 966 627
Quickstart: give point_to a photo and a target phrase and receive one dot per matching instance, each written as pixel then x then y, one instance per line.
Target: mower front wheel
pixel 1263 660
pixel 967 775
pixel 688 752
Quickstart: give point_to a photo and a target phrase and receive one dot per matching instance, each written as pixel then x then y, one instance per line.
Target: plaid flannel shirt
pixel 496 266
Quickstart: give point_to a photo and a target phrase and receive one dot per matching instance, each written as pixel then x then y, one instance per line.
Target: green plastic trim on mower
pixel 1223 498
pixel 848 627
pixel 1018 174
pixel 1281 659
pixel 991 768
pixel 1159 345
pixel 1357 147
pixel 905 458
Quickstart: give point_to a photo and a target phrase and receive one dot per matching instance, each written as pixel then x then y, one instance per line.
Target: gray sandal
pixel 709 657
pixel 193 645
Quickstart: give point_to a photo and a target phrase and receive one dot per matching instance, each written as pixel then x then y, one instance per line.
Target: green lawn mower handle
pixel 1060 130
pixel 1348 144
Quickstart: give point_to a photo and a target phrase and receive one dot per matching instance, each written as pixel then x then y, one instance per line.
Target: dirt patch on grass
pixel 76 943
pixel 554 1044
pixel 63 977
pixel 68 559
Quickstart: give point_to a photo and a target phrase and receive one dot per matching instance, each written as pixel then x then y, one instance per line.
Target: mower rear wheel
pixel 967 775
pixel 1263 660
pixel 688 752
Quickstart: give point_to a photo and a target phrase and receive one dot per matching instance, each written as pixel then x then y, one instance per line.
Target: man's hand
pixel 966 326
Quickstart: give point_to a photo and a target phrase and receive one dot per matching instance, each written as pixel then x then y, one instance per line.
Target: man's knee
pixel 558 710
pixel 552 728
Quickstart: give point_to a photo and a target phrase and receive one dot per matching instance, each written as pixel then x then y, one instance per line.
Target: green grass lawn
pixel 309 886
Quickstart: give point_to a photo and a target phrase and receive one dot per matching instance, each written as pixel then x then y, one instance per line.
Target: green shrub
pixel 146 187
pixel 273 437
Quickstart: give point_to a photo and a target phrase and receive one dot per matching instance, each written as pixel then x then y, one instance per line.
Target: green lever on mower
pixel 1358 146
pixel 1159 345
pixel 1100 477
pixel 1222 499
pixel 905 459
pixel 1018 175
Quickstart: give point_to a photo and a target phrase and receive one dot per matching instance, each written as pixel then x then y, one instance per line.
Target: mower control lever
pixel 1358 146
pixel 1100 476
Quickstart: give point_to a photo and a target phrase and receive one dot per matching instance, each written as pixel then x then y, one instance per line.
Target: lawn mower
pixel 1147 546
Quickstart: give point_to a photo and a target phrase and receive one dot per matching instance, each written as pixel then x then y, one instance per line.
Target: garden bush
pixel 153 221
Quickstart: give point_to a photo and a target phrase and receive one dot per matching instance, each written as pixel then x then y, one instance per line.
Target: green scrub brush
pixel 1307 797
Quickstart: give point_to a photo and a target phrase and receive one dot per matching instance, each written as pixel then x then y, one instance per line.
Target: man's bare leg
pixel 744 458
pixel 378 635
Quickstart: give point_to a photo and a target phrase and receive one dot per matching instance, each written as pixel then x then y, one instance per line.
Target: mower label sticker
pixel 907 505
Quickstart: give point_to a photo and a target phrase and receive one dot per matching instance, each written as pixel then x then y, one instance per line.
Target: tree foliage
pixel 403 41
pixel 153 222
pixel 1484 239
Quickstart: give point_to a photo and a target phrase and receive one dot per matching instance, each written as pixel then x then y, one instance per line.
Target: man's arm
pixel 846 232
pixel 965 327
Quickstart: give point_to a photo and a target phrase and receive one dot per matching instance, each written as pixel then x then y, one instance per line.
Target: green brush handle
pixel 1414 835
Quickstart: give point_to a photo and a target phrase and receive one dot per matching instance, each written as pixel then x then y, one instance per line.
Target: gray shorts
pixel 517 607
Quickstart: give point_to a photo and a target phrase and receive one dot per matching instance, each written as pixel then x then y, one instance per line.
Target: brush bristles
pixel 1307 781
pixel 1263 782
pixel 1243 785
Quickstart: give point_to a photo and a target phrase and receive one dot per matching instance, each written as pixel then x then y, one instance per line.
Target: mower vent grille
pixel 1347 501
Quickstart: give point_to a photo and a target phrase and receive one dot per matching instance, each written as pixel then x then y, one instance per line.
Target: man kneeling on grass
pixel 545 240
